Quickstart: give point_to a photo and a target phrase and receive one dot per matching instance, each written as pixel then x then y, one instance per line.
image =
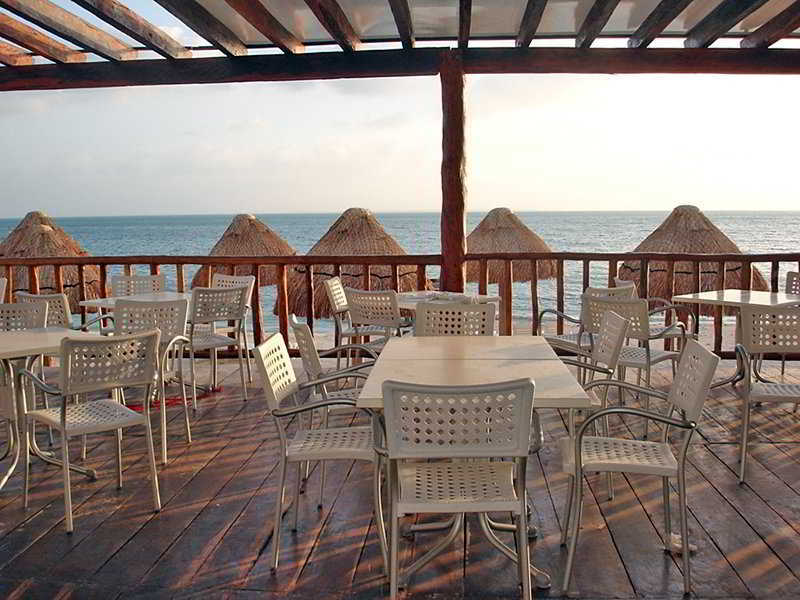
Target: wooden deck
pixel 213 537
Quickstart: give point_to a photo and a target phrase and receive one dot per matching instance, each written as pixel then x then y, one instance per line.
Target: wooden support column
pixel 310 297
pixel 506 299
pixel 454 241
pixel 255 307
pixel 283 303
pixel 534 297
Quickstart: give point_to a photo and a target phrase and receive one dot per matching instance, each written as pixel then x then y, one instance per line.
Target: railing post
pixel 255 307
pixel 747 275
pixel 774 275
pixel 58 278
pixel 718 309
pixel 560 295
pixel 310 297
pixel 367 278
pixel 422 278
pixel 9 284
pixel 128 269
pixel 644 279
pixel 283 303
pixel 33 279
pixel 670 292
pixel 180 276
pixel 209 275
pixel 506 322
pixel 534 296
pixel 696 289
pixel 103 282
pixel 396 278
pixel 586 270
pixel 612 273
pixel 483 276
pixel 82 291
pixel 155 268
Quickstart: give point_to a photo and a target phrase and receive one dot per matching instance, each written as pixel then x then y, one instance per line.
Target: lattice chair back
pixel 218 304
pixel 452 318
pixel 634 310
pixel 168 317
pixel 621 283
pixel 3 284
pixel 307 347
pixel 234 281
pixel 58 313
pixel 792 282
pixel 608 343
pixel 129 285
pixel 373 308
pixel 19 316
pixel 336 295
pixel 767 329
pixel 605 292
pixel 276 371
pixel 425 421
pixel 106 363
pixel 692 379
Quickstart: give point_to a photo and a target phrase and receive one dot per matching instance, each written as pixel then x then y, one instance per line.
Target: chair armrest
pixel 589 366
pixel 627 386
pixel 679 326
pixel 362 347
pixel 352 368
pixel 558 313
pixel 38 383
pixel 636 412
pixel 91 322
pixel 294 410
pixel 330 378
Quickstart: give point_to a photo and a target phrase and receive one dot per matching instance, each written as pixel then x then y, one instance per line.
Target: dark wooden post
pixel 483 276
pixel 586 269
pixel 774 274
pixel 310 297
pixel 33 279
pixel 534 297
pixel 560 295
pixel 9 284
pixel 396 278
pixel 58 278
pixel 283 303
pixel 506 299
pixel 453 225
pixel 255 307
pixel 696 289
pixel 718 309
pixel 612 273
pixel 155 269
pixel 181 277
pixel 422 278
pixel 82 292
pixel 670 292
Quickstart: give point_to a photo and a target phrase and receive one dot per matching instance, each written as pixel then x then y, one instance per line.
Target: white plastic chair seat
pixel 671 335
pixel 636 358
pixel 451 487
pixel 204 340
pixel 619 455
pixel 773 392
pixel 90 417
pixel 330 444
pixel 363 330
pixel 349 393
pixel 569 341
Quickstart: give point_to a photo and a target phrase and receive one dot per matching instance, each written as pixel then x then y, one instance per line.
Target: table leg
pixel 737 339
pixel 541 578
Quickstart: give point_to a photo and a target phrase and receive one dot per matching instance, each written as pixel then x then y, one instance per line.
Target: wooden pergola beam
pixel 530 22
pixel 132 24
pixel 594 22
pixel 405 25
pixel 64 24
pixel 265 22
pixel 335 22
pixel 719 21
pixel 656 22
pixel 781 25
pixel 206 25
pixel 464 22
pixel 14 56
pixel 36 41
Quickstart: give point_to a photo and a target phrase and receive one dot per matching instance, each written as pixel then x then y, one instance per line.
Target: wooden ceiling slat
pixel 656 22
pixel 13 56
pixel 36 41
pixel 60 22
pixel 464 22
pixel 530 22
pixel 405 25
pixel 333 19
pixel 594 22
pixel 779 26
pixel 206 25
pixel 123 18
pixel 719 21
pixel 264 21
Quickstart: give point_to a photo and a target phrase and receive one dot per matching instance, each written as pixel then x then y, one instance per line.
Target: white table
pixel 108 303
pixel 409 300
pixel 15 345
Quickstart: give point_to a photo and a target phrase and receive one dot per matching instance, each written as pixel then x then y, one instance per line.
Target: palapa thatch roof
pixel 687 230
pixel 247 236
pixel 37 236
pixel 503 231
pixel 356 232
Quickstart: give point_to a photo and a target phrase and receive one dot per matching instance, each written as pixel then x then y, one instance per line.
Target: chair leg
pixel 67 490
pixel 568 511
pixel 667 515
pixel 321 482
pixel 380 524
pixel 186 423
pixel 523 556
pixel 276 527
pixel 163 419
pixel 151 454
pixel 394 559
pixel 574 530
pixel 687 576
pixel 241 369
pixel 646 399
pixel 13 446
pixel 193 376
pixel 745 436
pixel 247 353
pixel 296 498
pixel 118 436
pixel 26 456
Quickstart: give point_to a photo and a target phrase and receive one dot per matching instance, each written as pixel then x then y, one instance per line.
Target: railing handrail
pixel 302 259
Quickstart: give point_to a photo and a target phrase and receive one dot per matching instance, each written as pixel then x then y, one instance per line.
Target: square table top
pixel 556 386
pixel 513 347
pixel 409 300
pixel 108 303
pixel 31 342
pixel 738 298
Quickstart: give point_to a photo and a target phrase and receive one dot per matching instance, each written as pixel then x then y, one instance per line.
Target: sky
pixel 543 142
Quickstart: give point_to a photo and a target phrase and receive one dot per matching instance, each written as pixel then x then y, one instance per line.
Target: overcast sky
pixel 558 142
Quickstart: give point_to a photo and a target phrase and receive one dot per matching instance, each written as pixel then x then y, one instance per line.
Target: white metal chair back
pixel 276 371
pixel 218 304
pixel 106 363
pixel 234 281
pixel 451 318
pixel 168 317
pixel 692 380
pixel 605 292
pixel 792 282
pixel 58 312
pixel 770 329
pixel 621 283
pixel 129 285
pixel 373 308
pixel 610 339
pixel 3 284
pixel 425 421
pixel 307 347
pixel 19 316
pixel 336 296
pixel 634 310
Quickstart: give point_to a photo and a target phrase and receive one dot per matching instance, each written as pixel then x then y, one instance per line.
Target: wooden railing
pixel 610 264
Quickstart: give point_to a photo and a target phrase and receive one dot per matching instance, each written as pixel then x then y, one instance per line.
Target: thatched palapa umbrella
pixel 246 236
pixel 688 231
pixel 38 236
pixel 358 233
pixel 503 231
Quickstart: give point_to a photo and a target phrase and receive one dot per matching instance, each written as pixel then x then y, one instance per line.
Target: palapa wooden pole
pixel 283 303
pixel 180 274
pixel 255 306
pixel 483 276
pixel 33 280
pixel 612 273
pixel 422 278
pixel 453 224
pixel 506 299
pixel 534 297
pixel 9 284
pixel 310 297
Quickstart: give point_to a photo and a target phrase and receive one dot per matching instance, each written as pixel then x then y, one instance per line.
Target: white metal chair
pixel 211 306
pixel 307 445
pixel 169 318
pixel 450 318
pixel 106 364
pixel 218 280
pixel 130 285
pixel 663 305
pixel 584 453
pixel 792 282
pixel 764 330
pixel 341 312
pixel 480 422
pixel 19 316
pixel 374 313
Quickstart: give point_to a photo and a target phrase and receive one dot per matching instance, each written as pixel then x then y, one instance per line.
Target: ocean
pixel 418 233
